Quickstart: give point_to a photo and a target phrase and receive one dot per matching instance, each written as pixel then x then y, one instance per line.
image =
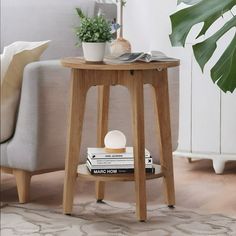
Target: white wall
pixel 54 20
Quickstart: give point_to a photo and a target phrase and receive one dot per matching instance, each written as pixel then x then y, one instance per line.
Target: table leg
pixel 76 116
pixel 102 128
pixel 136 90
pixel 161 98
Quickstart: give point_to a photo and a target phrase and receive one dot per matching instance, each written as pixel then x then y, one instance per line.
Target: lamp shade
pixel 115 140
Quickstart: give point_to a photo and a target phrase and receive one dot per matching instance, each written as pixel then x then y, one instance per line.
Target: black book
pixel 117 171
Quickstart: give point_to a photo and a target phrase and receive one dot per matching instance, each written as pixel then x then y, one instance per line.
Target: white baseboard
pixel 218 159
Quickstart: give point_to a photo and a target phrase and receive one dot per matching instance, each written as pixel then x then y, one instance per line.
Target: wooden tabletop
pixel 79 63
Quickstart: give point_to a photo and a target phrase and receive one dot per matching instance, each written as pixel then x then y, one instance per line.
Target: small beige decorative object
pixel 115 142
pixel 120 46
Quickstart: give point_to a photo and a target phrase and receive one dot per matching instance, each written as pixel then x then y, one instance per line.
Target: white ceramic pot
pixel 93 52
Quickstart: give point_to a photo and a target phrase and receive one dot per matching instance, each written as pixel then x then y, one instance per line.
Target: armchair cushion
pixel 40 135
pixel 13 60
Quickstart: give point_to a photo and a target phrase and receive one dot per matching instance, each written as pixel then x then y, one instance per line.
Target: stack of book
pixel 101 162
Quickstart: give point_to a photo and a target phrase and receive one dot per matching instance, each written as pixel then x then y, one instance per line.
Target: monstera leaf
pixel 208 11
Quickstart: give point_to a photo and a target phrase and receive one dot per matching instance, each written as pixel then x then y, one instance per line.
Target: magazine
pixel 138 56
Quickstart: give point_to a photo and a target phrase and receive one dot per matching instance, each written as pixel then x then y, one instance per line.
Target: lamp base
pixel 117 150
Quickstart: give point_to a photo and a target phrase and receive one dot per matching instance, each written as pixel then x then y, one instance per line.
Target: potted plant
pixel 93 32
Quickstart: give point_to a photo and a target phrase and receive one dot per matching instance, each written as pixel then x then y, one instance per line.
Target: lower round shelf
pixel 84 173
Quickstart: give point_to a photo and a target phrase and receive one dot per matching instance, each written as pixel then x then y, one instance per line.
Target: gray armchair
pixel 38 144
pixel 39 141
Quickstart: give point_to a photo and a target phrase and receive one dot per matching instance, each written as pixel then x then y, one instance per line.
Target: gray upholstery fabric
pixel 39 139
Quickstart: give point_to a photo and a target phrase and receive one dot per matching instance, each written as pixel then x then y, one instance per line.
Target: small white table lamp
pixel 115 142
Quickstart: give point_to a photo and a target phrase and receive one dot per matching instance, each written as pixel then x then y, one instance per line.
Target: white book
pixel 114 166
pixel 115 161
pixel 101 153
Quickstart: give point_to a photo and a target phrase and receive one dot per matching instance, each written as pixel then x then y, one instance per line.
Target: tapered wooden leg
pixel 136 90
pixel 76 117
pixel 161 97
pixel 100 190
pixel 23 184
pixel 102 128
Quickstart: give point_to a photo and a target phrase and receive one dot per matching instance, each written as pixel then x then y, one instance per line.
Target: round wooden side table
pixel 133 76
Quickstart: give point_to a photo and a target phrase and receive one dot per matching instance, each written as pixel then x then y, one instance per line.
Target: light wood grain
pixel 23 179
pixel 6 170
pixel 102 128
pixel 133 76
pixel 76 62
pixel 113 150
pixel 23 184
pixel 136 91
pixel 9 170
pixel 161 98
pixel 76 116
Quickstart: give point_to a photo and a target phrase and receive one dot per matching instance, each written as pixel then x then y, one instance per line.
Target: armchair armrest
pixel 40 135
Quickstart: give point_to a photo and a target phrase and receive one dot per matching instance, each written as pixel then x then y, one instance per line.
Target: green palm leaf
pixel 224 71
pixel 207 12
pixel 204 50
pixel 204 11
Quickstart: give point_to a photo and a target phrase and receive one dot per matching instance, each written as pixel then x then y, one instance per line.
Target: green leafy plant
pixel 93 29
pixel 208 11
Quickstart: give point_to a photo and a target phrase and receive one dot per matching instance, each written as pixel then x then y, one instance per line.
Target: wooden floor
pixel 197 187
